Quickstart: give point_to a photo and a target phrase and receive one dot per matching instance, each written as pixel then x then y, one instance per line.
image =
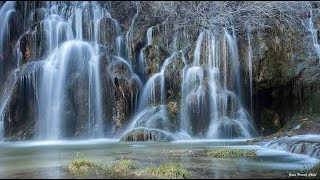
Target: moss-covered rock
pixel 154 58
pixel 144 134
pixel 297 125
pixel 270 121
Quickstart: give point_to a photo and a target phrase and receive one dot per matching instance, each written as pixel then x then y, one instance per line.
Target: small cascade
pixel 95 97
pixel 154 90
pixel 152 111
pixel 129 32
pixel 234 75
pixel 300 144
pixel 314 34
pixel 141 54
pixel 119 45
pixel 149 35
pixel 1 125
pixel 5 12
pixel 250 70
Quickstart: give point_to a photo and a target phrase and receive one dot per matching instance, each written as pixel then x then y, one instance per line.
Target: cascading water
pixel 68 55
pixel 152 113
pixel 203 94
pixel 6 94
pixel 141 54
pixel 52 84
pixel 68 52
pixel 250 70
pixel 314 34
pixel 300 144
pixel 6 12
pixel 235 75
pixel 129 32
pixel 150 93
pixel 85 52
pixel 149 35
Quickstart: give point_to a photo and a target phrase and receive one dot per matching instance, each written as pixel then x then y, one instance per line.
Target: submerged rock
pixel 145 134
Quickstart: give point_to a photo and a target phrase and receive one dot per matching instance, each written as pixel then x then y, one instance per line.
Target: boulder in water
pixel 145 134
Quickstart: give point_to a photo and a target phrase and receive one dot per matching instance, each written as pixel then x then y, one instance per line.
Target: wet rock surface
pixel 145 134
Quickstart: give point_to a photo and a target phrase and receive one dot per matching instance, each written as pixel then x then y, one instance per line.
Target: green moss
pixel 167 171
pixel 306 125
pixel 230 153
pixel 123 165
pixel 289 125
pixel 216 153
pixel 152 69
pixel 173 109
pixel 146 135
pixel 81 166
pixel 315 169
pixel 122 168
pixel 311 104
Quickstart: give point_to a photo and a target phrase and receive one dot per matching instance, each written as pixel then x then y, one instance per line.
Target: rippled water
pixel 46 159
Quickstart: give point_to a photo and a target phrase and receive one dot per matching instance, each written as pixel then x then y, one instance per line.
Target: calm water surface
pixel 46 159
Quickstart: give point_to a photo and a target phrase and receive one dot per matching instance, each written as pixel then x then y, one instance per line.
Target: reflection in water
pixel 40 160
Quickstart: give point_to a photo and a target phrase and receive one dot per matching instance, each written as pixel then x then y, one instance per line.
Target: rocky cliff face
pixel 285 76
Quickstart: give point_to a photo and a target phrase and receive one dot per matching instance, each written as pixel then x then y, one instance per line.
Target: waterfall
pixel 5 96
pixel 314 34
pixel 141 54
pixel 1 125
pixel 196 61
pixel 149 35
pixel 128 34
pixel 68 52
pixel 52 84
pixel 250 70
pixel 5 12
pixel 80 53
pixel 201 79
pixel 152 112
pixel 235 75
pixel 6 87
pixel 75 43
